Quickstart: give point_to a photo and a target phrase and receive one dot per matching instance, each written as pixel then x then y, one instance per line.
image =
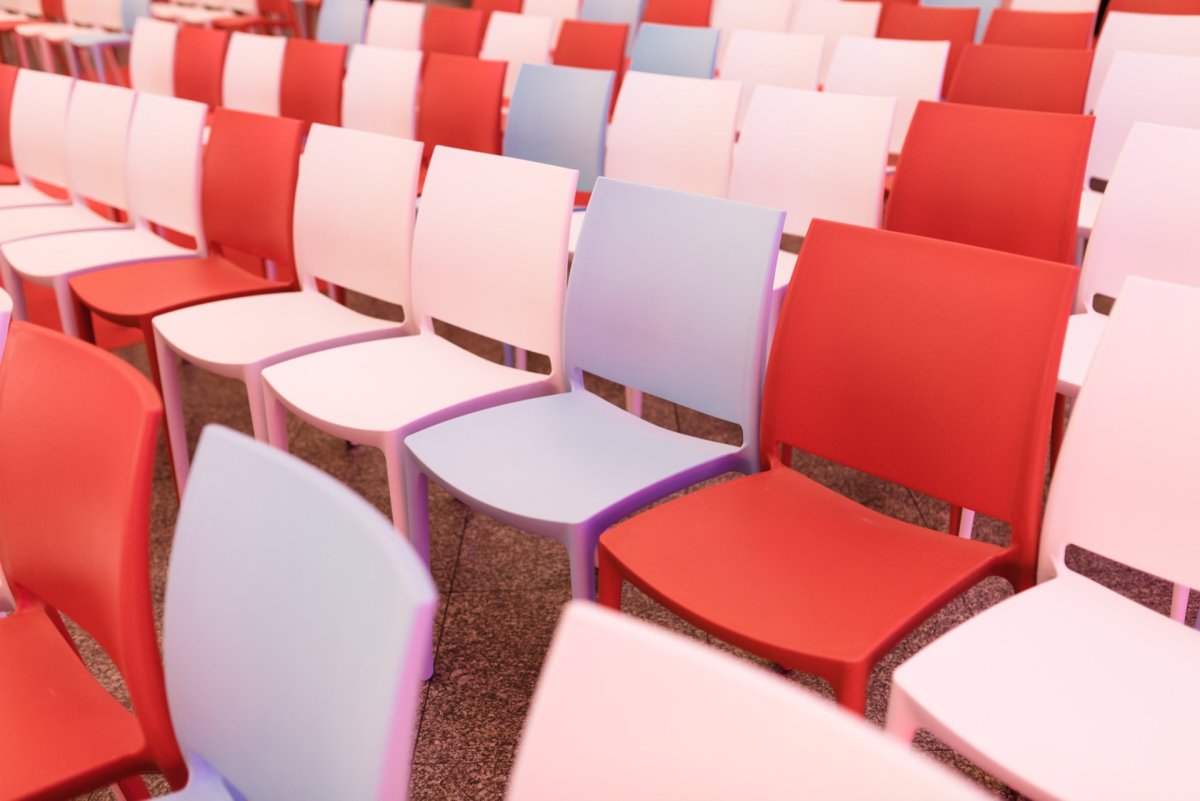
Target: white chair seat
pixel 169 11
pixel 49 257
pixel 11 16
pixel 61 33
pixel 1089 206
pixel 21 223
pixel 1082 692
pixel 204 16
pixel 16 195
pixel 39 28
pixel 1083 336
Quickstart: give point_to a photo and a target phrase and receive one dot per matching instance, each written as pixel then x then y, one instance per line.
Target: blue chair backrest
pixel 675 50
pixel 342 21
pixel 626 11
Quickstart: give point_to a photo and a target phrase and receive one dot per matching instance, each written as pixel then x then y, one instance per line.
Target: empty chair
pixel 1156 6
pixel 152 56
pixel 675 50
pixel 910 71
pixel 8 83
pixel 461 98
pixel 1033 78
pixel 592 45
pixel 38 136
pixel 380 90
pixel 555 9
pixel 763 16
pixel 1039 29
pixel 395 23
pixel 457 31
pixel 986 9
pixel 488 7
pixel 1152 33
pixel 779 564
pixel 678 12
pixel 5 316
pixel 342 22
pixel 954 25
pixel 774 59
pixel 624 12
pixel 1119 490
pixel 285 720
pixel 1056 6
pixel 833 21
pixel 253 73
pixel 310 85
pixel 517 39
pixel 200 64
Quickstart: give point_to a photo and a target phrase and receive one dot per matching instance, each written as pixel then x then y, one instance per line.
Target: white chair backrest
pixel 1127 471
pixel 39 126
pixel 557 10
pixel 152 56
pixel 162 166
pixel 1154 33
pixel 518 39
pixel 11 6
pixel 379 92
pixel 97 135
pixel 910 71
pixel 1056 6
pixel 394 23
pixel 253 73
pixel 31 8
pixel 507 280
pixel 628 710
pixel 275 703
pixel 6 307
pixel 814 154
pixel 834 20
pixel 79 12
pixel 673 132
pixel 771 59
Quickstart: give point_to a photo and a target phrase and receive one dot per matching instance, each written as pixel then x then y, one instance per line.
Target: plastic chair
pixel 393 23
pixel 1032 78
pixel 490 6
pixel 1152 33
pixel 986 9
pixel 624 12
pixel 200 64
pixel 152 56
pixel 380 90
pixel 833 21
pixel 954 25
pixel 38 133
pixel 342 22
pixel 592 45
pixel 675 50
pixel 284 720
pixel 626 710
pixel 355 203
pixel 910 71
pixel 557 10
pixel 455 31
pixel 5 315
pixel 773 59
pixel 311 81
pixel 461 98
pixel 678 12
pixel 788 569
pixel 8 83
pixel 84 555
pixel 764 16
pixel 517 39
pixel 996 178
pixel 1070 641
pixel 253 73
pixel 1039 29
pixel 1056 6
pixel 1155 6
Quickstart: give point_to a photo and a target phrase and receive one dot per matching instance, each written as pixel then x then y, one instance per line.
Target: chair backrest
pixel 490 6
pixel 38 126
pixel 97 134
pixel 461 98
pixel 456 31
pixel 8 83
pixel 395 23
pixel 1152 33
pixel 355 204
pixel 625 12
pixel 675 50
pixel 200 64
pixel 162 167
pixel 558 10
pixel 1056 6
pixel 380 90
pixel 772 59
pixel 954 25
pixel 342 21
pixel 78 12
pixel 253 73
pixel 310 86
pixel 72 415
pixel 517 39
pixel 515 261
pixel 284 719
pixel 1033 78
pixel 993 177
pixel 152 56
pixel 673 132
pixel 1145 87
pixel 559 115
pixel 669 294
pixel 835 20
pixel 1156 6
pixel 904 357
pixel 592 45
pixel 1039 29
pixel 678 12
pixel 910 71
pixel 1131 453
pixel 628 710
pixel 764 16
pixel 814 154
pixel 6 307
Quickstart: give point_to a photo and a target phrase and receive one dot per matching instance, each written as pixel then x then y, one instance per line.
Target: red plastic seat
pixel 954 25
pixel 200 63
pixel 78 429
pixel 997 178
pixel 901 357
pixel 457 31
pixel 593 46
pixel 1039 29
pixel 678 12
pixel 1032 78
pixel 311 87
pixel 460 105
pixel 8 81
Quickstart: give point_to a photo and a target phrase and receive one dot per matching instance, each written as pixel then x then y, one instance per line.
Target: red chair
pixel 1155 6
pixel 678 12
pixel 926 363
pixel 78 429
pixel 1032 78
pixel 1039 29
pixel 488 6
pixel 8 81
pixel 200 63
pixel 457 31
pixel 992 177
pixel 594 46
pixel 955 25
pixel 460 104
pixel 311 86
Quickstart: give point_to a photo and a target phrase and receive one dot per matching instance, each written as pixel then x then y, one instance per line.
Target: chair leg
pixel 1058 427
pixel 168 367
pixel 967 524
pixel 131 788
pixel 416 485
pixel 393 457
pixel 581 553
pixel 68 308
pixel 276 417
pixel 611 581
pixel 633 401
pixel 956 515
pixel 901 720
pixel 1179 602
pixel 14 284
pixel 851 688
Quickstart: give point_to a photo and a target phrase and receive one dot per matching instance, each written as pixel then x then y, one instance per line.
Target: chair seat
pixel 1084 693
pixel 169 11
pixel 148 289
pixel 63 734
pixel 204 16
pixel 50 257
pixel 40 28
pixel 1083 337
pixel 27 221
pixel 566 458
pixel 26 195
pixel 12 16
pixel 803 575
pixel 1089 207
pixel 61 33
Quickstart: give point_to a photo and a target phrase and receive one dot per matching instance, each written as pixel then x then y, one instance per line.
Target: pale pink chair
pixel 1056 6
pixel 1177 34
pixel 765 16
pixel 379 92
pixel 557 10
pixel 772 59
pixel 1069 690
pixel 39 138
pixel 517 39
pixel 152 56
pixel 833 20
pixel 396 24
pixel 253 73
pixel 624 709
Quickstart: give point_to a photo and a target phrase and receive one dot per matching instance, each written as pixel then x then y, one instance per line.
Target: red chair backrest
pixel 460 103
pixel 458 31
pixel 955 25
pixel 488 6
pixel 311 86
pixel 678 12
pixel 1039 29
pixel 1155 6
pixel 1033 78
pixel 594 46
pixel 8 81
pixel 994 177
pixel 200 63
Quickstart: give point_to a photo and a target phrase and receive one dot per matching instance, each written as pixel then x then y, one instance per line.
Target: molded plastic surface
pixel 253 73
pixel 97 133
pixel 379 92
pixel 625 12
pixel 343 22
pixel 38 126
pixel 1032 78
pixel 1155 33
pixel 517 39
pixel 592 45
pixel 456 31
pixel 200 64
pixel 675 50
pixel 954 25
pixel 775 59
pixel 311 80
pixel 152 56
pixel 678 12
pixel 392 23
pixel 833 21
pixel 1039 29
pixel 460 104
pixel 163 170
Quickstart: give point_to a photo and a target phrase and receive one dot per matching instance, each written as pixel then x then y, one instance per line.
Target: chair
pixel 675 50
pixel 152 56
pixel 764 16
pixel 1124 468
pixel 355 203
pixel 1153 33
pixel 1156 6
pixel 678 12
pixel 380 90
pixel 910 71
pixel 996 178
pixel 954 25
pixel 772 59
pixel 1032 78
pixel 626 710
pixel 37 131
pixel 461 98
pixel 594 46
pixel 285 720
pixel 342 22
pixel 1039 29
pixel 8 82
pixel 5 316
pixel 623 12
pixel 393 23
pixel 490 6
pixel 85 555
pixel 200 64
pixel 253 73
pixel 833 21
pixel 310 86
pixel 1056 6
pixel 517 39
pixel 782 566
pixel 455 31
pixel 558 10
pixel 986 9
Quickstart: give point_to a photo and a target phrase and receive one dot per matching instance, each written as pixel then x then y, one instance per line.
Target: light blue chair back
pixel 986 7
pixel 626 11
pixel 342 21
pixel 675 50
pixel 559 115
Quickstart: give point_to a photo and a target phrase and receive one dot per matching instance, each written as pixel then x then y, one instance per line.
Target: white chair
pixel 379 92
pixel 517 39
pixel 1154 33
pixel 394 23
pixel 267 703
pixel 1069 690
pixel 253 73
pixel 910 71
pixel 624 709
pixel 38 127
pixel 834 20
pixel 557 10
pixel 773 59
pixel 152 56
pixel 765 16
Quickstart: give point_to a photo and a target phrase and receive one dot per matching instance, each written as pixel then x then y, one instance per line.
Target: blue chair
pixel 559 115
pixel 668 294
pixel 628 12
pixel 342 21
pixel 675 50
